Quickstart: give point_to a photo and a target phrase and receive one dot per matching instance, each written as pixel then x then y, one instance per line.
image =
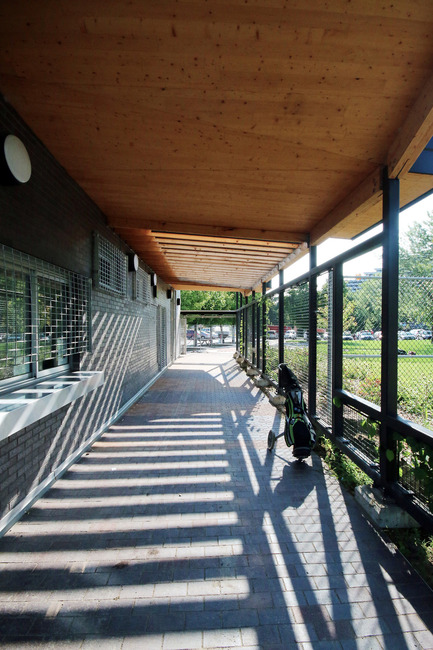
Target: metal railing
pixel 367 382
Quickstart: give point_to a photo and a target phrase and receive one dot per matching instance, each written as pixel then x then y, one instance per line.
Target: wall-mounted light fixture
pixel 133 262
pixel 15 165
pixel 154 284
pixel 178 302
pixel 169 294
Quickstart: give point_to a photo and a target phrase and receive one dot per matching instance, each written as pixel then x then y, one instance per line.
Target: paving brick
pixel 112 555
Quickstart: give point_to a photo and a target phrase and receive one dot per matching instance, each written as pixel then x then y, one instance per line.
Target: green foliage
pixel 416 458
pixel 416 260
pixel 208 300
pixel 346 471
pixel 416 252
pixel 371 428
pixel 417 546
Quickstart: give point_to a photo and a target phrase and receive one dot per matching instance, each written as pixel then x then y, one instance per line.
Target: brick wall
pixel 51 218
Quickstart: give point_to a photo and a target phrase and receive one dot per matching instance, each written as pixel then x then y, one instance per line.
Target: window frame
pixel 74 311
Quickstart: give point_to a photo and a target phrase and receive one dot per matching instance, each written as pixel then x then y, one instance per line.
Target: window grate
pixel 143 286
pixel 110 266
pixel 44 315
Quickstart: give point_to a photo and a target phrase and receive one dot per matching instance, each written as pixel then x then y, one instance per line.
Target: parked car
pixel 272 334
pixel 347 336
pixel 378 335
pixel 403 336
pixel 365 336
pixel 306 335
pixel 290 334
pixel 425 334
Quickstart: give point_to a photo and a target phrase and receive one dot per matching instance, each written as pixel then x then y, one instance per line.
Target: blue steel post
pixel 388 447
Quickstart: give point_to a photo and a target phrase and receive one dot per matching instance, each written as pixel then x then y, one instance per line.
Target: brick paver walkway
pixel 179 530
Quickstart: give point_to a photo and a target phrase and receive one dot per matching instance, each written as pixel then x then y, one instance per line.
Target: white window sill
pixel 25 406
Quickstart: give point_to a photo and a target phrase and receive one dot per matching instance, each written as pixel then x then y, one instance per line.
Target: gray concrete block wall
pixel 51 218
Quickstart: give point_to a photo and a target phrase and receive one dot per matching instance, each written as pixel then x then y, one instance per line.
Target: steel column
pixel 312 334
pixel 337 346
pixel 253 329
pixel 238 321
pixel 281 320
pixel 388 447
pixel 245 337
pixel 264 327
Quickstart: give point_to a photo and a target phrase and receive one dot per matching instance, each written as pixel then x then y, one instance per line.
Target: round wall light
pixel 133 262
pixel 15 161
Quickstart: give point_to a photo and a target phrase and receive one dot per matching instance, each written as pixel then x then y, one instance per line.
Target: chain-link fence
pixel 360 419
pixel 324 347
pixel 362 333
pixel 415 349
pixel 296 316
pixel 271 343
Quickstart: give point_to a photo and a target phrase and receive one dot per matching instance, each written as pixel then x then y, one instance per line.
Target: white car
pixel 290 334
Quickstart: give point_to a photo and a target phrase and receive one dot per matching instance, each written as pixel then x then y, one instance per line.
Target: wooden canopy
pixel 219 136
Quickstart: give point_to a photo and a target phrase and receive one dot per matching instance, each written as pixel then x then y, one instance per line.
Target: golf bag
pixel 298 430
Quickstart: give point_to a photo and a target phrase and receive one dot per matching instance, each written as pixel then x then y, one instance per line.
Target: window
pixel 142 286
pixel 109 268
pixel 44 316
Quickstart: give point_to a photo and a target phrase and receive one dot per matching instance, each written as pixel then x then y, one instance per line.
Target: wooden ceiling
pixel 219 136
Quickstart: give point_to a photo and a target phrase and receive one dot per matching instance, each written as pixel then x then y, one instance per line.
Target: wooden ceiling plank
pixel 261 247
pixel 224 241
pixel 214 253
pixel 219 231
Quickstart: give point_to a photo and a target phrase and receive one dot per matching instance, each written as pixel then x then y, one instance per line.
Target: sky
pixel 369 262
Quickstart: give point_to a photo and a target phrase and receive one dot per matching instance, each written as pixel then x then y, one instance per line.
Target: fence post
pixel 281 320
pixel 258 336
pixel 312 334
pixel 246 328
pixel 388 448
pixel 264 327
pixel 337 346
pixel 238 318
pixel 253 329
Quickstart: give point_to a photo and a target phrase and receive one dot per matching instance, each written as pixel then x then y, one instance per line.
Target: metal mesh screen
pixel 43 314
pixel 161 336
pixel 271 342
pixel 362 433
pixel 415 350
pixel 111 267
pixel 296 317
pixel 143 286
pixel 362 318
pixel 249 325
pixel 324 347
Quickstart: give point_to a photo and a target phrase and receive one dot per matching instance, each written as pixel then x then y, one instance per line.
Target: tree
pixel 208 300
pixel 416 249
pixel 416 274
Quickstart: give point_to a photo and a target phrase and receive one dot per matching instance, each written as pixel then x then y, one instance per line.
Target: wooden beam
pixel 413 135
pixel 200 229
pixel 194 286
pixel 363 197
pixel 215 241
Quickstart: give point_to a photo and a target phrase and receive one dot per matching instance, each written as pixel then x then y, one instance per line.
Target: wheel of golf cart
pixel 271 440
